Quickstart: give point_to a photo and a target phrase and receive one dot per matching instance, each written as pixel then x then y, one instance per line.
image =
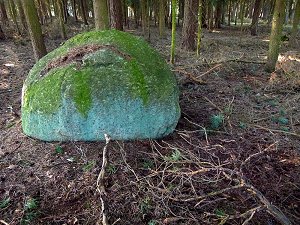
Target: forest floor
pixel 233 159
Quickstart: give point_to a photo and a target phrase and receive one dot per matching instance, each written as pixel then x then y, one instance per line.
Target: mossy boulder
pixel 97 83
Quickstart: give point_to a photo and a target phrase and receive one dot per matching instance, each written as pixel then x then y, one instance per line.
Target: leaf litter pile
pixel 233 159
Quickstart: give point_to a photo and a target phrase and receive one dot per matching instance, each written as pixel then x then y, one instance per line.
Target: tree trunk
pixel 60 9
pixel 34 28
pixel 13 14
pixel 3 12
pixel 255 17
pixel 190 24
pixel 101 14
pixel 172 57
pixel 218 14
pixel 210 15
pixel 242 13
pixel 229 12
pixel 296 21
pixel 162 16
pixel 200 12
pixel 116 20
pixel 21 14
pixel 82 11
pixel 275 38
pixel 74 10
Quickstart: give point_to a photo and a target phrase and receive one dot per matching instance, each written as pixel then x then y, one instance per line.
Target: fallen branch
pixel 210 70
pixel 100 181
pixel 277 131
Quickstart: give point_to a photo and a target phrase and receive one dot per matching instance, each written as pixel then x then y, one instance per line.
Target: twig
pixel 252 211
pixel 211 194
pixel 278 131
pixel 208 71
pixel 255 155
pixel 100 180
pixel 213 104
pixel 3 222
pixel 271 209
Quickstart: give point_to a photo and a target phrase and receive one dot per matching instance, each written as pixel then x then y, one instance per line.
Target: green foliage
pixel 216 121
pixel 145 205
pixel 152 222
pixel 59 150
pixel 242 125
pixel 148 164
pixel 4 203
pixel 111 169
pixel 175 156
pixel 283 120
pixel 89 166
pixel 220 213
pixel 30 211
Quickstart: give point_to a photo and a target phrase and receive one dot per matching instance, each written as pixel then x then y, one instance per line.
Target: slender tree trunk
pixel 116 20
pixel 296 21
pixel 13 14
pixel 255 17
pixel 190 24
pixel 275 38
pixel 162 16
pixel 34 28
pixel 82 11
pixel 3 12
pixel 101 14
pixel 59 5
pixel 200 11
pixel 287 14
pixel 229 12
pixel 125 13
pixel 21 14
pixel 210 15
pixel 172 57
pixel 144 15
pixel 74 10
pixel 218 14
pixel 242 13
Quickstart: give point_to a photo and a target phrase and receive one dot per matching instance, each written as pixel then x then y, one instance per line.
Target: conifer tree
pixel 172 58
pixel 296 21
pixel 190 24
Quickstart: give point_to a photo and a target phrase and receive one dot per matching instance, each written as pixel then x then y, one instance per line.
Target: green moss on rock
pixel 113 66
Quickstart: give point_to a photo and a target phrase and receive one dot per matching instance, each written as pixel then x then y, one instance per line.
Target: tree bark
pixel 101 14
pixel 13 14
pixel 21 14
pixel 296 21
pixel 82 10
pixel 162 16
pixel 200 12
pixel 255 17
pixel 218 14
pixel 190 24
pixel 34 28
pixel 116 19
pixel 74 10
pixel 60 9
pixel 275 38
pixel 3 12
pixel 173 38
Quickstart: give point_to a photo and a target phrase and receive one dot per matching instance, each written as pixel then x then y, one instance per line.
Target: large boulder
pixel 98 83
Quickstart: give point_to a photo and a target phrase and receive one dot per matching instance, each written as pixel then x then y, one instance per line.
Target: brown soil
pixel 197 175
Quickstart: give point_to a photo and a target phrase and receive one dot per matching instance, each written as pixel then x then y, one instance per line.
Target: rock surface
pixel 98 83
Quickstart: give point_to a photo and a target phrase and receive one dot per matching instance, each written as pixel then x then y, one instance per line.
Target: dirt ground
pixel 233 159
